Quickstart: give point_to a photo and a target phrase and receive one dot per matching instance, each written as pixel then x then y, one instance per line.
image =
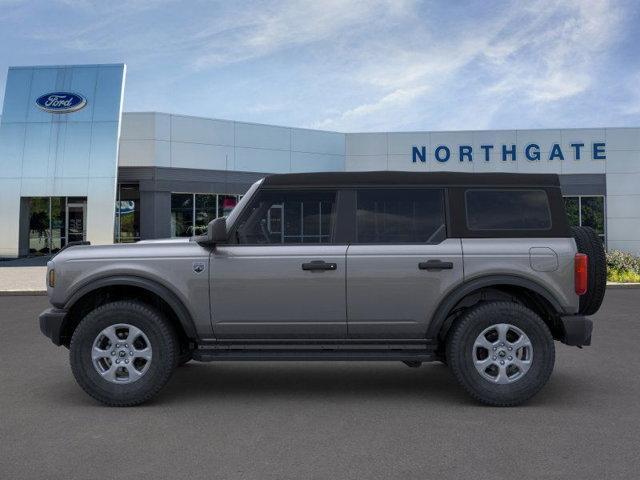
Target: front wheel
pixel 123 353
pixel 502 353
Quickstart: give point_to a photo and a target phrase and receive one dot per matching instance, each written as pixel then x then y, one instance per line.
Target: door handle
pixel 435 265
pixel 319 265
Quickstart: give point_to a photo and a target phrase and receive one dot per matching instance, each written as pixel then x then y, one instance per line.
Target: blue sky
pixel 351 65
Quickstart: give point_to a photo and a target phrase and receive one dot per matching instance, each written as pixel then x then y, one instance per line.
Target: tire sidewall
pixel 140 316
pixel 460 352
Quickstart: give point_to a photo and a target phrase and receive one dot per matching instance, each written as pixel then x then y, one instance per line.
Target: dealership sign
pixel 61 102
pixel 531 152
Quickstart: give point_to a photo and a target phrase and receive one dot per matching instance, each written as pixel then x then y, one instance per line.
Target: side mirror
pixel 217 230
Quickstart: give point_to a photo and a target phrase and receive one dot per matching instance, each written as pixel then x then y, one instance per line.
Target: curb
pixel 10 293
pixel 623 285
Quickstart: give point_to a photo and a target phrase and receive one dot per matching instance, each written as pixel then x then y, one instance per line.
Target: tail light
pixel 581 274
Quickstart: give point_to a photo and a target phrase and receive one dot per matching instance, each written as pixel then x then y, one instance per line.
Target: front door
pixel 281 276
pixel 76 216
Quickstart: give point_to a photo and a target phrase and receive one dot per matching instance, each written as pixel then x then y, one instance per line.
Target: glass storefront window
pixel 39 228
pixel 181 214
pixel 226 203
pixel 588 211
pixel 192 212
pixel 127 228
pixel 205 212
pixel 55 221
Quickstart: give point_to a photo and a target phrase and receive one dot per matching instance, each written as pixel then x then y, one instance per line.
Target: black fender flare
pixel 460 291
pixel 184 317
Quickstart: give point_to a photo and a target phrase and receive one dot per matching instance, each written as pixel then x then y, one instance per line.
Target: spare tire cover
pixel 590 244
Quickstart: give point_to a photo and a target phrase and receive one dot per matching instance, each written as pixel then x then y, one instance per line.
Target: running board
pixel 293 351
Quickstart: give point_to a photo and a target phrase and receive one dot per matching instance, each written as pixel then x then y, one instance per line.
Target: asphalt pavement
pixel 322 420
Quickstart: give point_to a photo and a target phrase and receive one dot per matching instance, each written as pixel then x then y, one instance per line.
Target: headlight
pixel 51 278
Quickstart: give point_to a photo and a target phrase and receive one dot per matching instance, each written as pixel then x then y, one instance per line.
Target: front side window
pixel 507 210
pixel 400 216
pixel 288 217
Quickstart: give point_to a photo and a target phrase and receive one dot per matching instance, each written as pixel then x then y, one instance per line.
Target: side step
pixel 412 352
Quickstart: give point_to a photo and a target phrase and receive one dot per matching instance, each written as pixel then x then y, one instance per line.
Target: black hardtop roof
pixel 412 178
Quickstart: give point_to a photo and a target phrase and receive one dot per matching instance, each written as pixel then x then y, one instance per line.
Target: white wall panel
pixel 400 143
pixel 623 138
pixel 201 130
pixel 198 155
pixel 366 144
pixel 314 141
pixel 263 160
pixel 363 163
pixel 623 161
pixel 316 162
pixel 139 126
pixel 262 136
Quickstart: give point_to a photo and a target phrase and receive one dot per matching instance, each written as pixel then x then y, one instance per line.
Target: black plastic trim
pixel 459 291
pixel 51 321
pixel 576 330
pixel 184 317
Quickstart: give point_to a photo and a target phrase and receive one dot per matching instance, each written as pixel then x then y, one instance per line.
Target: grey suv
pixel 479 271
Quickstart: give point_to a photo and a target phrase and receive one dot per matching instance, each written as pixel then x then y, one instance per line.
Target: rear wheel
pixel 123 353
pixel 502 353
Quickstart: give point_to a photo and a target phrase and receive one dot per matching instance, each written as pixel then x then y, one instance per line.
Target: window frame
pixel 334 237
pixel 445 213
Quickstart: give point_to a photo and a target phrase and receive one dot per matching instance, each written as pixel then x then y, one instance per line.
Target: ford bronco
pixel 479 271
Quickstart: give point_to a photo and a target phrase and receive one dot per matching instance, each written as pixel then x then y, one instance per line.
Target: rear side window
pixel 489 209
pixel 400 216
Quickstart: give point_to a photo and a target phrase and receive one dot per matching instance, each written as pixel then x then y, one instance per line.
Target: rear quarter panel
pixel 515 256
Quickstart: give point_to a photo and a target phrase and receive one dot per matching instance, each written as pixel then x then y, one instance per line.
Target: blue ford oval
pixel 61 102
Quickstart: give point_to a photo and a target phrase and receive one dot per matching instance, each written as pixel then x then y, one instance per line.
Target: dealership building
pixel 74 166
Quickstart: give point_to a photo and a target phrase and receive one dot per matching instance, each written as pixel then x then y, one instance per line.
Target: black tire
pixel 460 352
pixel 184 357
pixel 163 342
pixel 590 244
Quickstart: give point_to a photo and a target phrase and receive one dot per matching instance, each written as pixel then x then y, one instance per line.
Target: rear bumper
pixel 51 321
pixel 576 330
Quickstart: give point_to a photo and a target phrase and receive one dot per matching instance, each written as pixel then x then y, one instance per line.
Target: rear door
pixel 284 277
pixel 401 262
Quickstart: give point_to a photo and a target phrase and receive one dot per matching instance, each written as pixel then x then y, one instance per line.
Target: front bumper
pixel 51 321
pixel 576 330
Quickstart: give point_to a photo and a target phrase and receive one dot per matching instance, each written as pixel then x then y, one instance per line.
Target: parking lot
pixel 322 420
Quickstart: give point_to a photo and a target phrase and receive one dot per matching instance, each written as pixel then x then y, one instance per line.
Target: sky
pixel 351 65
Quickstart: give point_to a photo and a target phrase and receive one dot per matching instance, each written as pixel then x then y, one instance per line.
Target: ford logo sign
pixel 61 102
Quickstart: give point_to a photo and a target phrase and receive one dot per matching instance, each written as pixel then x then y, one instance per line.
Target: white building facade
pixel 175 173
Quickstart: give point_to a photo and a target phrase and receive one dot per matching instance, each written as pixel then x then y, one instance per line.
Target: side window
pixel 489 209
pixel 288 217
pixel 400 216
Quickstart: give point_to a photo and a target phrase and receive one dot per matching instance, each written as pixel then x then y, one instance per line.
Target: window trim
pixel 445 213
pixel 519 229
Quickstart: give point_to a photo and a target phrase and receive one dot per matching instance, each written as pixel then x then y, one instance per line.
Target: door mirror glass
pixel 217 230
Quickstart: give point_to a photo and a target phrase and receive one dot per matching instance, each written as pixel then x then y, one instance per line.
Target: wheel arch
pixel 103 290
pixel 528 292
